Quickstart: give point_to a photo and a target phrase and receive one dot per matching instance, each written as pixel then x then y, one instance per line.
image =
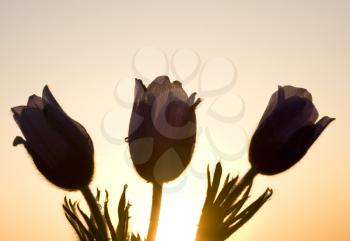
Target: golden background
pixel 81 49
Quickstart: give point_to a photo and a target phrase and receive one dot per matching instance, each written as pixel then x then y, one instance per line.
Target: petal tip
pixel 48 98
pixel 162 79
pixel 18 140
pixel 177 83
pixel 17 110
pixel 320 126
pixel 192 98
pixel 14 110
pixel 140 90
pixel 46 91
pixel 280 94
pixel 325 121
pixel 140 83
pixel 35 102
pixel 196 103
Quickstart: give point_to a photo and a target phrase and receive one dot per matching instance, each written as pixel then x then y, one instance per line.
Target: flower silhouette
pixel 162 129
pixel 164 118
pixel 286 131
pixel 61 148
pixel 216 90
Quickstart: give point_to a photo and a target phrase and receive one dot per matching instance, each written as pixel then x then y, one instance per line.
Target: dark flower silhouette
pixel 286 131
pixel 162 129
pixel 162 135
pixel 61 148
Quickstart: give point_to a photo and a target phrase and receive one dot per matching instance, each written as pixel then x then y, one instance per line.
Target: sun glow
pixel 178 219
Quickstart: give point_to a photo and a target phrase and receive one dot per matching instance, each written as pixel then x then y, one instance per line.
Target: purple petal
pixel 49 98
pixel 61 121
pixel 193 102
pixel 86 135
pixel 175 120
pixel 196 103
pixel 18 140
pixel 273 102
pixel 282 94
pixel 140 90
pixel 306 136
pixel 68 127
pixel 288 117
pixel 320 127
pixel 42 138
pixel 162 80
pixel 192 98
pixel 324 122
pixel 17 113
pixel 159 85
pixel 162 85
pixel 159 88
pixel 290 91
pixel 178 91
pixel 35 102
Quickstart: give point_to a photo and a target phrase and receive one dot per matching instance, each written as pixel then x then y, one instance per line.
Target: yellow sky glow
pixel 83 49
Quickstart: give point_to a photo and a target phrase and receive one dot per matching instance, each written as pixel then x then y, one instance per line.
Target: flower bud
pixel 162 130
pixel 60 147
pixel 286 131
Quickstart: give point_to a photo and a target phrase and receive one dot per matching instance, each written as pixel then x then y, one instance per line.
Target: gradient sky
pixel 82 49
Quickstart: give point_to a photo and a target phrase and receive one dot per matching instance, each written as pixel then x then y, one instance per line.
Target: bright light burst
pixel 178 219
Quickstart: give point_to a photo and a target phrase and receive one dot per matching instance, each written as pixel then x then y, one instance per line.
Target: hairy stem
pixel 95 211
pixel 156 204
pixel 246 180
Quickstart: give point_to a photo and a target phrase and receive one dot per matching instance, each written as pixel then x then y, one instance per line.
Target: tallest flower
pixel 162 129
pixel 162 135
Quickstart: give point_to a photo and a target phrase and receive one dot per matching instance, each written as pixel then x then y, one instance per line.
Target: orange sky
pixel 82 49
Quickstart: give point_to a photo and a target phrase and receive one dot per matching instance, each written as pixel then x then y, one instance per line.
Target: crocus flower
pixel 162 129
pixel 60 147
pixel 286 131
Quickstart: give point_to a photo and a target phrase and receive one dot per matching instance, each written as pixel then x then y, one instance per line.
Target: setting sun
pixel 178 221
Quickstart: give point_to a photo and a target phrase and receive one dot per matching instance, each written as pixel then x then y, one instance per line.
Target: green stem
pixel 95 211
pixel 154 219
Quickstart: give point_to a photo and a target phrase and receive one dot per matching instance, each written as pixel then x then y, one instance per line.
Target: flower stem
pixel 156 204
pixel 249 176
pixel 95 211
pixel 246 179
